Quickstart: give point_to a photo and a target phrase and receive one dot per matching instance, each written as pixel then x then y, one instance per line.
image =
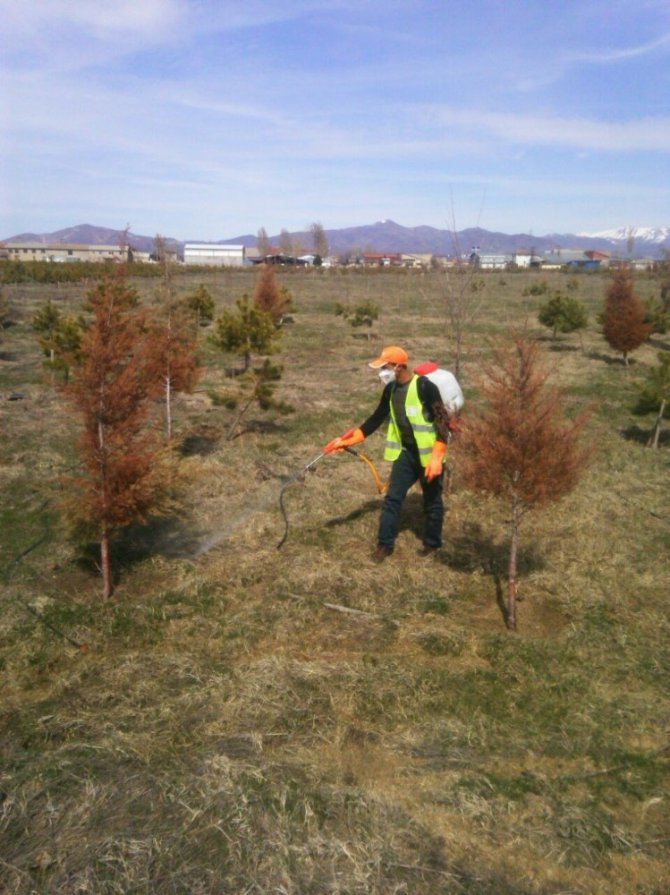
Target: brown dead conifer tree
pixel 623 317
pixel 172 357
pixel 520 446
pixel 111 391
pixel 270 297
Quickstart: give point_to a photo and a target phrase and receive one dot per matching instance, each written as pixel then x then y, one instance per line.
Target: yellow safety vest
pixel 425 433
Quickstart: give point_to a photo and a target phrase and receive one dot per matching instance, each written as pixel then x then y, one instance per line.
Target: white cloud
pixel 103 19
pixel 644 134
pixel 606 56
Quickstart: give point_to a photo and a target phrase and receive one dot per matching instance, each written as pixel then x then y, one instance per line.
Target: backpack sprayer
pixel 382 486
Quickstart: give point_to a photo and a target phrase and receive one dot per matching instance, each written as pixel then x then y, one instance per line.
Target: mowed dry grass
pixel 303 720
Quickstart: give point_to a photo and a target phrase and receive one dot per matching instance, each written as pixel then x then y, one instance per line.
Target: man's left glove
pixel 436 462
pixel 349 439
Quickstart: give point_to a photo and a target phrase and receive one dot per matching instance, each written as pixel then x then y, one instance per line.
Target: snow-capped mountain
pixel 656 235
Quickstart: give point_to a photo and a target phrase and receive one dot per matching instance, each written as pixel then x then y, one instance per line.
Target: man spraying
pixel 416 443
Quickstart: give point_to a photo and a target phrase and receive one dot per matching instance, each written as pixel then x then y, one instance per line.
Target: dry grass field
pixel 303 721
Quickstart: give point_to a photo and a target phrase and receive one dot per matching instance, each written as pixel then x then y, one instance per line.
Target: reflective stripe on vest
pixel 424 432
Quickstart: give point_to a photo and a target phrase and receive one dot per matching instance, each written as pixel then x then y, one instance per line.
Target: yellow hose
pixel 382 486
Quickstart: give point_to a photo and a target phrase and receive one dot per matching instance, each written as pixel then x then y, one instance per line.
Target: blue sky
pixel 200 119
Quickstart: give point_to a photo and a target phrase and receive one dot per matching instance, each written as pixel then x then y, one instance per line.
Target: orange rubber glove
pixel 350 438
pixel 436 462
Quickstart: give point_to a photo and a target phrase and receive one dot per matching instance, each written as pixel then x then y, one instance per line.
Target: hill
pixel 388 236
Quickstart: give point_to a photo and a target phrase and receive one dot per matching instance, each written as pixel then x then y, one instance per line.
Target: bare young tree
pixel 124 244
pixel 461 290
pixel 263 242
pixel 172 357
pixel 285 242
pixel 462 293
pixel 319 239
pixel 521 446
pixel 162 255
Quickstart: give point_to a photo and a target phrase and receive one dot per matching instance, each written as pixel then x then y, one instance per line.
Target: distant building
pixel 251 254
pixel 574 258
pixel 214 254
pixel 603 257
pixel 526 258
pixel 490 261
pixel 281 258
pixel 63 252
pixel 417 260
pixel 382 259
pixel 644 263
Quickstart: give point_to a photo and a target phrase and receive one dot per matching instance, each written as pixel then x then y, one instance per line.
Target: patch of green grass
pixel 437 604
pixel 441 645
pixel 498 786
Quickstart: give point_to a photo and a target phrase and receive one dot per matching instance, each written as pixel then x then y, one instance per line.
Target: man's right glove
pixel 349 439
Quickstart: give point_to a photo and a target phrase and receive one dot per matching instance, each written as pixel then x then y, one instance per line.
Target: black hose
pixel 293 479
pixel 283 511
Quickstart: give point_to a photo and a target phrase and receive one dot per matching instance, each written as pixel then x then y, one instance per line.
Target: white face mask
pixel 387 376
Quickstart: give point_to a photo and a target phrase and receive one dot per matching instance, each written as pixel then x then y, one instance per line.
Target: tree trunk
pixel 656 434
pixel 458 346
pixel 105 553
pixel 238 417
pixel 106 562
pixel 511 576
pixel 168 406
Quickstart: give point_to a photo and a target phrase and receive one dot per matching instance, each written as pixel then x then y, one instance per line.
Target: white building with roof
pixel 214 254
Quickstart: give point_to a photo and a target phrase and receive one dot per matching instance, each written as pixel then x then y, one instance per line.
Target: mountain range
pixel 388 236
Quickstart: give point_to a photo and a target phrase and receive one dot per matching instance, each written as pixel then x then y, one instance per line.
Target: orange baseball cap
pixel 391 355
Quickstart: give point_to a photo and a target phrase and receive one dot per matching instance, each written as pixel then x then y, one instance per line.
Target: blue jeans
pixel 406 470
